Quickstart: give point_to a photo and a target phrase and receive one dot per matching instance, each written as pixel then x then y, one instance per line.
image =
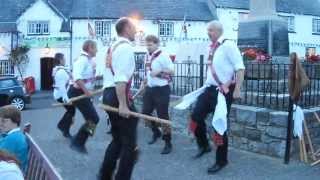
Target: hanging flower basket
pixel 257 55
pixel 313 59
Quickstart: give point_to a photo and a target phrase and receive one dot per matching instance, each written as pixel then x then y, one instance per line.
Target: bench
pixel 39 166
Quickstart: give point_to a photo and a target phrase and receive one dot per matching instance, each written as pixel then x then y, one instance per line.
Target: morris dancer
pixel 159 69
pixel 121 63
pixel 224 63
pixel 84 76
pixel 62 78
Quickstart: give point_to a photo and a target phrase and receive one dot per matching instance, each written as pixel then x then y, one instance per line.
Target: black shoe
pixel 64 131
pixel 216 168
pixel 79 148
pixel 155 137
pixel 167 148
pixel 202 151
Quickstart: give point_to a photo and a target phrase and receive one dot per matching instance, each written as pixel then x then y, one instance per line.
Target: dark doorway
pixel 47 64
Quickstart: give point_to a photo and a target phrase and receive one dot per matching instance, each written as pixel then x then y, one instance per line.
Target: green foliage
pixel 19 57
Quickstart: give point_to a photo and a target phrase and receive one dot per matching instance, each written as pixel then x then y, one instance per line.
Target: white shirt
pixel 61 79
pixel 84 69
pixel 159 63
pixel 123 63
pixel 10 171
pixel 226 61
pixel 107 76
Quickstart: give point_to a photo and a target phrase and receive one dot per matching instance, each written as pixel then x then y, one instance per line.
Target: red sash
pixel 89 80
pixel 224 88
pixel 148 67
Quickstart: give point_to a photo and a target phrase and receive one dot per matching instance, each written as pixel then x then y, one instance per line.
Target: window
pixel 7 83
pixel 316 26
pixel 166 29
pixel 290 21
pixel 38 27
pixel 310 51
pixel 103 28
pixel 243 16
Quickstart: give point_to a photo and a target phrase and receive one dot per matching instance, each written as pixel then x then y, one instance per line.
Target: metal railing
pixel 265 84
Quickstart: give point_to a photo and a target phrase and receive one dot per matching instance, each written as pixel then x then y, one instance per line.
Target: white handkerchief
pixel 219 120
pixel 298 118
pixel 190 98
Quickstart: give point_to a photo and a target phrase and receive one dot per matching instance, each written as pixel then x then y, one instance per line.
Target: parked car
pixel 13 92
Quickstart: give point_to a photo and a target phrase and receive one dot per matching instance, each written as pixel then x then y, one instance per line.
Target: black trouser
pixel 67 119
pixel 89 113
pixel 158 98
pixel 124 141
pixel 206 104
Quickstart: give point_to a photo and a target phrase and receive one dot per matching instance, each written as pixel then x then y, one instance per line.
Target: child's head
pixel 10 118
pixel 152 43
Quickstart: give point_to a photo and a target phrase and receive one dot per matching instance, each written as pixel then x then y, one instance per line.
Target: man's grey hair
pixel 216 25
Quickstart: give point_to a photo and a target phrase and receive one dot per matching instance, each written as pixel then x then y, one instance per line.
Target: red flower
pixel 313 58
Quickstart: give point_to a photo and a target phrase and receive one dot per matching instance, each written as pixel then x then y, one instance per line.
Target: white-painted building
pixel 51 26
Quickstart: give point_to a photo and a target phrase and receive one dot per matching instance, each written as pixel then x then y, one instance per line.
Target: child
pixel 13 140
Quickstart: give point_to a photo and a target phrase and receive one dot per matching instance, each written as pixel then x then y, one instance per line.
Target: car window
pixel 7 83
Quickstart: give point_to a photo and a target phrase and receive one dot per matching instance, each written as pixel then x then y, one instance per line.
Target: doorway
pixel 46 64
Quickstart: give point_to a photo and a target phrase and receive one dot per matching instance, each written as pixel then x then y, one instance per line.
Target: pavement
pixel 151 165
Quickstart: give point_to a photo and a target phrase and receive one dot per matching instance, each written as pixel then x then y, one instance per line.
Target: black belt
pixel 157 87
pixel 109 88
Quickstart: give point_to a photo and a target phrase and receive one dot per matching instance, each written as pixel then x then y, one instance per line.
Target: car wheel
pixel 18 102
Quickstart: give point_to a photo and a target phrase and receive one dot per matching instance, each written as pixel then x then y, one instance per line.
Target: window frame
pixel 241 16
pixel 166 34
pixel 316 26
pixel 309 48
pixel 4 85
pixel 102 28
pixel 38 28
pixel 291 22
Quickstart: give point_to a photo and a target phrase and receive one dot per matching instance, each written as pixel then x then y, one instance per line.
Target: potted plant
pixel 313 58
pixel 19 57
pixel 257 62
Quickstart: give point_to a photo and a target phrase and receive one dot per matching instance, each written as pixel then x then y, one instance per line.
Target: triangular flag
pixel 91 31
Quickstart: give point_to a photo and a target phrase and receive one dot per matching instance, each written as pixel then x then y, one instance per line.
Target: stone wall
pixel 264 131
pixel 255 129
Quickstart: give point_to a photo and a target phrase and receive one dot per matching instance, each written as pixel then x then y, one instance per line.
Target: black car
pixel 13 92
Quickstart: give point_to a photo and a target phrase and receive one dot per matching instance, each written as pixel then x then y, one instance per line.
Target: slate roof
pixel 194 10
pixel 306 7
pixel 147 9
pixel 11 10
pixel 8 27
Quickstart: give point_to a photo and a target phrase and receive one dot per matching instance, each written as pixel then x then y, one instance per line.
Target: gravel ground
pixel 151 166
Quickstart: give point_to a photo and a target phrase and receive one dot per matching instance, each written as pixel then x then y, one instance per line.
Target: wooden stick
pixel 71 100
pixel 317 117
pixel 138 115
pixel 138 92
pixel 317 153
pixel 309 140
pixel 300 150
pixel 304 150
pixel 315 163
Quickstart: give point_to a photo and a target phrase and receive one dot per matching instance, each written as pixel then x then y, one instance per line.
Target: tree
pixel 19 57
